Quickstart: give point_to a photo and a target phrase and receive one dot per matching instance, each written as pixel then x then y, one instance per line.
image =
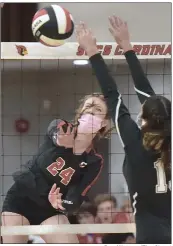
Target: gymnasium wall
pixel 25 90
pixel 155 28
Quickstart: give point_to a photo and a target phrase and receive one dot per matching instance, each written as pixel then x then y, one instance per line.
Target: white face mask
pixel 89 124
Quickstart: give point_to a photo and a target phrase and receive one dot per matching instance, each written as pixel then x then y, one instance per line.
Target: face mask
pixel 89 123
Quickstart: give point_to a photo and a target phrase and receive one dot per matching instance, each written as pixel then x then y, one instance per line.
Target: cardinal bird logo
pixel 22 50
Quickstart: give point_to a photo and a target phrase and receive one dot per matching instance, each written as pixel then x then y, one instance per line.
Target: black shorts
pixel 23 205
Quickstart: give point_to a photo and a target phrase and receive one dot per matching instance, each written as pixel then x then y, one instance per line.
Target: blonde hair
pixel 156 141
pixel 152 140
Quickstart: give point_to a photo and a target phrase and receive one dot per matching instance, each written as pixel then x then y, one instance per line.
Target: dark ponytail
pixel 157 130
pixel 157 142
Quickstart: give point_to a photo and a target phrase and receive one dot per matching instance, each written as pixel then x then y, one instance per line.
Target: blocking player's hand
pixel 66 139
pixel 119 31
pixel 86 39
pixel 55 198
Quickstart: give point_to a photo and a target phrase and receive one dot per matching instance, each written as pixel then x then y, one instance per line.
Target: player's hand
pixel 86 39
pixel 55 198
pixel 120 32
pixel 66 139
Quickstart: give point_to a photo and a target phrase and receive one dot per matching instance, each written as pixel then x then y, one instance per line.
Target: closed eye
pixel 99 109
pixel 88 106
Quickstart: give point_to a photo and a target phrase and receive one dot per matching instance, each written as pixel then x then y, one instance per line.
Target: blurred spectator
pixel 127 210
pixel 119 238
pixel 72 219
pixel 86 215
pixel 106 208
pixel 107 211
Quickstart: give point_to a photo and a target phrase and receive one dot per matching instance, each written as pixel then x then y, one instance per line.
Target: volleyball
pixel 52 25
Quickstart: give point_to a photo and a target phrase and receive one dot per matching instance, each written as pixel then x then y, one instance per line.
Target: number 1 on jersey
pixel 161 186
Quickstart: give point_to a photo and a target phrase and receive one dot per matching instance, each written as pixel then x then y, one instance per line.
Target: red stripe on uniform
pixel 96 178
pixel 68 20
pixel 39 13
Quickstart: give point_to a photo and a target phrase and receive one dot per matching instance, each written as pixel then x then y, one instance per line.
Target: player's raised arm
pixel 125 126
pixel 88 42
pixel 119 31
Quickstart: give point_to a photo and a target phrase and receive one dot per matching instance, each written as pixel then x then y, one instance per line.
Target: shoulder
pixel 95 158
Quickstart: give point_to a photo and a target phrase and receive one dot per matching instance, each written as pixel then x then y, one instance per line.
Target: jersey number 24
pixel 56 169
pixel 161 186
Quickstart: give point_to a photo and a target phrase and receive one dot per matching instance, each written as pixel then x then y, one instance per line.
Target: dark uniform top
pixel 73 174
pixel 148 184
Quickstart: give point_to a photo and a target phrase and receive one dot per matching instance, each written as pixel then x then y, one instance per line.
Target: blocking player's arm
pixel 119 112
pixel 142 84
pixel 53 129
pixel 76 194
pixel 107 84
pixel 128 131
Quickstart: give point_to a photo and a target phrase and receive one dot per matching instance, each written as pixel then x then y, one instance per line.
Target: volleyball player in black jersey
pixel 58 178
pixel 147 149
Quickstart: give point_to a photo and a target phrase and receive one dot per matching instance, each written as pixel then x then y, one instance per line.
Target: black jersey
pixel 148 184
pixel 142 85
pixel 73 174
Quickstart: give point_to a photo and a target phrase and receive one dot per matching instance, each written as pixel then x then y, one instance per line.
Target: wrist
pixel 92 51
pixel 126 46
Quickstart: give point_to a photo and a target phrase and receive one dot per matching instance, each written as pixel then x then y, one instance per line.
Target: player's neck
pixel 82 143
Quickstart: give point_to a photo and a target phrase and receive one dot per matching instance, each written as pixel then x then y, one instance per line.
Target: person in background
pixel 127 210
pixel 107 210
pixel 87 215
